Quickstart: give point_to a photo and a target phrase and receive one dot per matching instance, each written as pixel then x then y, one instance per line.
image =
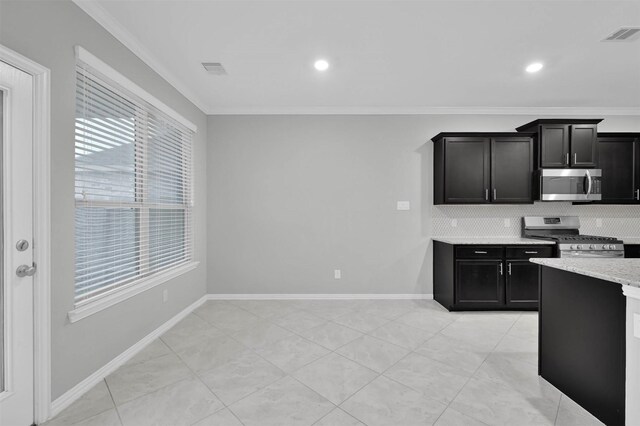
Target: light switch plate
pixel 636 325
pixel 337 274
pixel 403 205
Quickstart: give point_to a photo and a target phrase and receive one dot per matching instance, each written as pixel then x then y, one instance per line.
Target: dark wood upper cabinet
pixel 512 170
pixel 584 145
pixel 481 168
pixel 565 142
pixel 619 159
pixel 554 145
pixel 466 169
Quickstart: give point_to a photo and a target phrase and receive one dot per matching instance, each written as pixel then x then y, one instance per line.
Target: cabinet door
pixel 466 171
pixel 523 280
pixel 554 145
pixel 512 170
pixel 584 143
pixel 618 159
pixel 632 251
pixel 479 284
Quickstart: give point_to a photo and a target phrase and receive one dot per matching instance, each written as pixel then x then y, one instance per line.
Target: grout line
pixel 114 401
pixel 555 421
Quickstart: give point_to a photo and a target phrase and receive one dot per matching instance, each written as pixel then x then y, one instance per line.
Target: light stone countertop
pixel 503 241
pixel 622 271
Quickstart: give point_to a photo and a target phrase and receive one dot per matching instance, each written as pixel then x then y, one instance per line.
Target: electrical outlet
pixel 165 295
pixel 636 325
pixel 507 223
pixel 598 223
pixel 337 274
pixel 403 205
pixel 454 223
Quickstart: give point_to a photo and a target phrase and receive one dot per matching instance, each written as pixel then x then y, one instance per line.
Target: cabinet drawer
pixel 524 252
pixel 479 252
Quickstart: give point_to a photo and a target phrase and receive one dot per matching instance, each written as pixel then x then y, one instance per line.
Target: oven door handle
pixel 589 182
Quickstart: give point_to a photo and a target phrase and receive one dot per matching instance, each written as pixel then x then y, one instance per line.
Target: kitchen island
pixel 586 343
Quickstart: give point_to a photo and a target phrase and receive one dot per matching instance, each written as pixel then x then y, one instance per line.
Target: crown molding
pixel 336 110
pixel 109 23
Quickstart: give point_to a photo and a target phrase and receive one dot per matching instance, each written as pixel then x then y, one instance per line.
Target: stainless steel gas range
pixel 565 231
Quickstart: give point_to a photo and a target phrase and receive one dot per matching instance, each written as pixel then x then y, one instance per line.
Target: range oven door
pixel 570 184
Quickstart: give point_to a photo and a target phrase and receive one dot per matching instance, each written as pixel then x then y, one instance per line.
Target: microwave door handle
pixel 590 182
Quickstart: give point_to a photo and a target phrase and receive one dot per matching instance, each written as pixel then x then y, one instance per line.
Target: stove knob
pixel 579 247
pixel 592 247
pixel 572 247
pixel 607 247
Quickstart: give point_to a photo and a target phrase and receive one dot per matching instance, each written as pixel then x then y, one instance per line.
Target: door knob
pixel 26 270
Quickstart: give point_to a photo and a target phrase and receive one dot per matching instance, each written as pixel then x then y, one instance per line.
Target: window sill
pixel 126 293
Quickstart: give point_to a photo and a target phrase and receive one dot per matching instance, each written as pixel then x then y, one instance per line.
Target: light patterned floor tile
pixel 221 418
pixel 525 350
pixel 335 377
pixel 433 379
pixel 373 353
pixel 131 381
pixel 189 331
pixel 155 349
pixel 384 402
pixel 292 353
pixel 454 353
pixel 402 335
pixel 482 339
pixel 240 377
pixel 428 320
pixel 227 317
pixel 451 417
pixel 95 401
pixel 338 418
pixel 285 402
pixel 108 418
pixel 495 404
pixel 183 403
pixel 261 335
pixel 299 321
pixel 210 353
pixel 331 335
pixel 361 321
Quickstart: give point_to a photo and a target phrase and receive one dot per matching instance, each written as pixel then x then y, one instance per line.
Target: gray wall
pixel 291 198
pixel 46 32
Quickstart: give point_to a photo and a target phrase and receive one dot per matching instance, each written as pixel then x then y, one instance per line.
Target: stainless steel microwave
pixel 570 184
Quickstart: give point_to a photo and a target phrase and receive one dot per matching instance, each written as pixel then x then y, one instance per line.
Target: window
pixel 133 187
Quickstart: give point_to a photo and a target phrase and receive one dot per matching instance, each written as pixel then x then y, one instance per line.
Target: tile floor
pixel 332 363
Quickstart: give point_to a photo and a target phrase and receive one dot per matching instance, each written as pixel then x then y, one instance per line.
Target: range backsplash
pixel 489 220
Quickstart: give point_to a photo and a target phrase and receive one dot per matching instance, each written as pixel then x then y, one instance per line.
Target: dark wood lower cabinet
pixel 494 277
pixel 632 251
pixel 479 284
pixel 522 283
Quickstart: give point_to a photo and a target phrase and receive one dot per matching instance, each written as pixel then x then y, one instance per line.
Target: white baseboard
pixel 317 296
pixel 81 388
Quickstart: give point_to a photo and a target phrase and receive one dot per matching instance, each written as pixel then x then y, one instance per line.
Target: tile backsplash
pixel 489 220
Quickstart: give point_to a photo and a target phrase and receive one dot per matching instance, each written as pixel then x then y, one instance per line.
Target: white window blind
pixel 133 188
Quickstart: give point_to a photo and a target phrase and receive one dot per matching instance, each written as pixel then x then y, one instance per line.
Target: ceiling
pixel 386 56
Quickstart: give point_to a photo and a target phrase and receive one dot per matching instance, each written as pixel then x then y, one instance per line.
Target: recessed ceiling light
pixel 321 65
pixel 534 67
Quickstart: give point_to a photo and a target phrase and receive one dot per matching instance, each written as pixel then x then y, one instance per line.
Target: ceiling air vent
pixel 624 34
pixel 215 68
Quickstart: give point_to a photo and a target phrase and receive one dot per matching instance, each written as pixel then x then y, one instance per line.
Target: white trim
pixel 630 291
pixel 42 228
pixel 81 388
pixel 109 23
pixel 87 57
pixel 122 294
pixel 335 296
pixel 594 112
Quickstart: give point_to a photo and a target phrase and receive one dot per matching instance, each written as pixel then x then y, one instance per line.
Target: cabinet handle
pixel 501 271
pixel 575 158
pixel 486 194
pixel 530 252
pixel 509 269
pixel 480 252
pixel 567 162
pixel 638 194
pixel 495 194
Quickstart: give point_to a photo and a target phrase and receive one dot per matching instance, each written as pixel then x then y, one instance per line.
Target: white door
pixel 16 292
